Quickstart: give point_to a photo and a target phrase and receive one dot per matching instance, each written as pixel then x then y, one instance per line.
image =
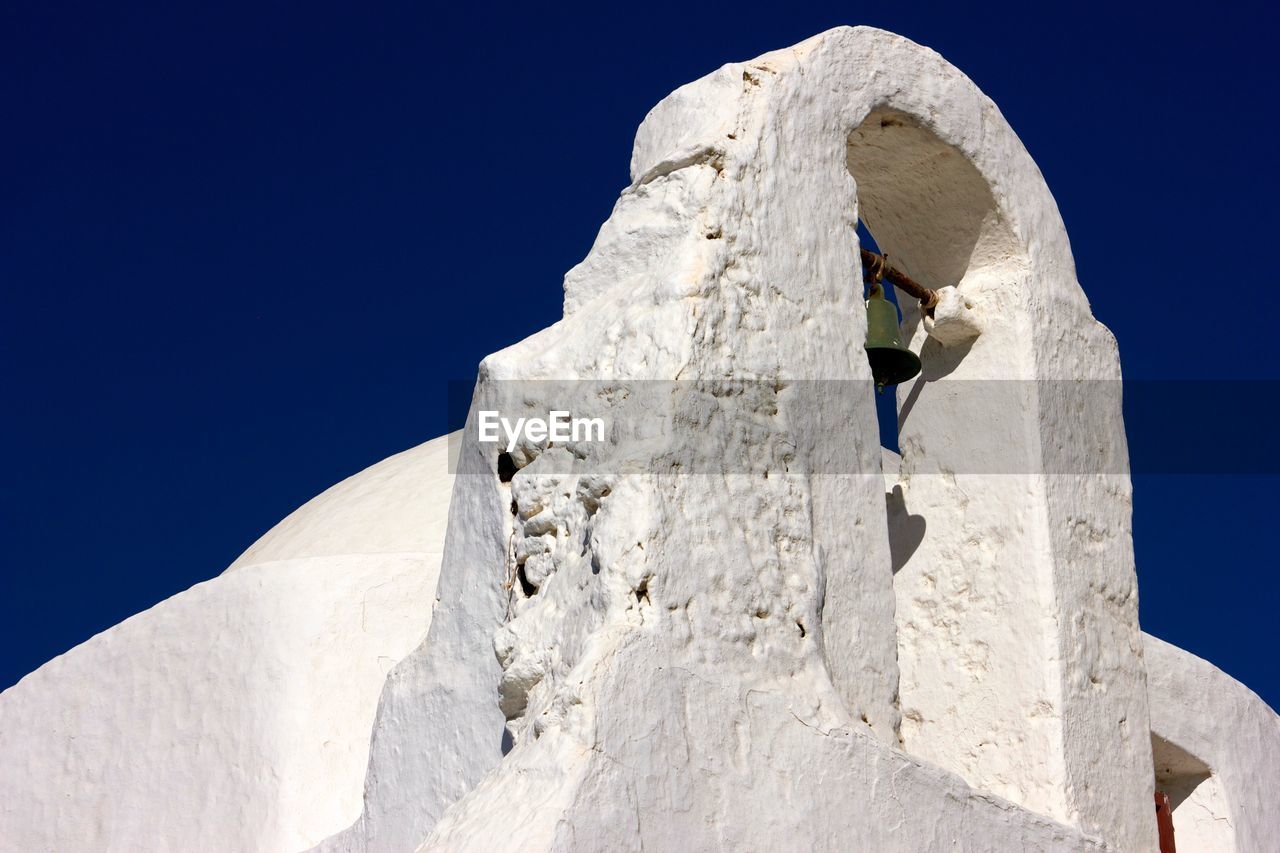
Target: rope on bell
pixel 880 266
pixel 877 275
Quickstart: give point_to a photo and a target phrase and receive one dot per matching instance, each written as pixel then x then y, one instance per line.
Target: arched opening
pixel 1201 820
pixel 926 204
pixel 974 637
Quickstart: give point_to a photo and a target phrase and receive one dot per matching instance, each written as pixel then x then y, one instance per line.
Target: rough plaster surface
pixel 235 715
pixel 694 649
pixel 1217 751
pixel 1016 611
pixel 768 654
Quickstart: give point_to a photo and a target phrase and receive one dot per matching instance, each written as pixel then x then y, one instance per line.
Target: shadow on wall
pixel 906 531
pixel 1201 818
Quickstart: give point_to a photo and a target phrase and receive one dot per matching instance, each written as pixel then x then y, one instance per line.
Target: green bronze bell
pixel 891 362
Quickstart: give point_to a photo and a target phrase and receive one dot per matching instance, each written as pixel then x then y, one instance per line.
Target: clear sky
pixel 244 247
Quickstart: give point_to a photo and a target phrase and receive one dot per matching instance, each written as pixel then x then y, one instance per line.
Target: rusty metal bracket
pixel 873 262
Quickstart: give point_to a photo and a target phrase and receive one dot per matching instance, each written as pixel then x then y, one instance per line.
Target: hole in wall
pixel 506 467
pixel 525 585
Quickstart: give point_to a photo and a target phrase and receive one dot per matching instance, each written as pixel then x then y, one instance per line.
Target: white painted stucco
pixel 717 633
pixel 235 715
pixel 1218 753
pixel 705 628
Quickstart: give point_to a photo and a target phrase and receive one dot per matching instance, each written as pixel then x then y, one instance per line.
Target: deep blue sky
pixel 242 248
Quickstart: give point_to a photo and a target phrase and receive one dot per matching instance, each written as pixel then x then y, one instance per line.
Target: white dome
pixel 235 715
pixel 392 507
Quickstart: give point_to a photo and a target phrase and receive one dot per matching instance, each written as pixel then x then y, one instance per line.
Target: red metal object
pixel 1164 820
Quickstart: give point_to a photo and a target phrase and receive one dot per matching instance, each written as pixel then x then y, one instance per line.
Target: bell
pixel 891 362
